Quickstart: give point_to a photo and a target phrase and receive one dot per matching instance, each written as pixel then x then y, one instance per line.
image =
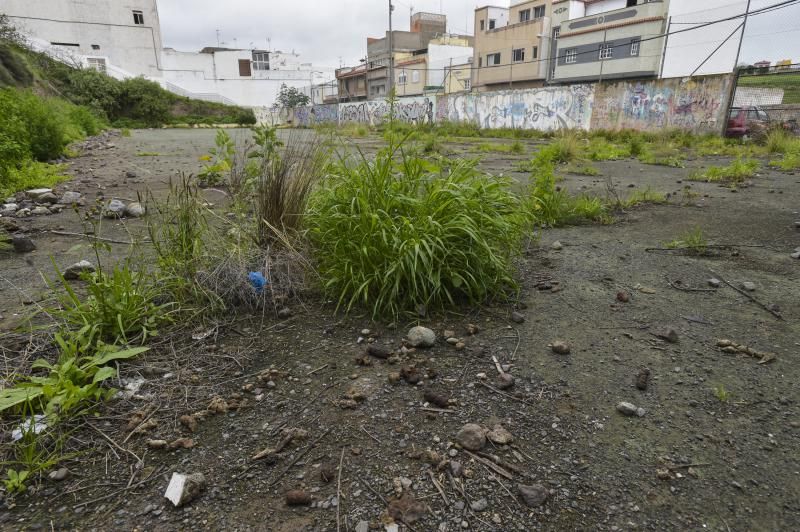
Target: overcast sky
pixel 323 31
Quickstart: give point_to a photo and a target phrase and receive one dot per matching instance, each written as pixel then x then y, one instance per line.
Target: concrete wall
pixel 415 110
pixel 100 28
pixel 545 109
pixel 698 105
pixel 316 114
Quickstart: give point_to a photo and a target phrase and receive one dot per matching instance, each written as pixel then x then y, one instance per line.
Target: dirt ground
pixel 690 462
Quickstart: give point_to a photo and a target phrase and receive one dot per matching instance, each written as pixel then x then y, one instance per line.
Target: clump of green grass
pixel 780 141
pixel 352 129
pixel 565 148
pixel 553 206
pixel 602 150
pixel 789 161
pixel 394 235
pixel 721 393
pixel 693 241
pixel 639 197
pixel 501 147
pixel 736 172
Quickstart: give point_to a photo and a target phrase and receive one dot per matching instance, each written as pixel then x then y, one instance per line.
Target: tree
pixel 291 97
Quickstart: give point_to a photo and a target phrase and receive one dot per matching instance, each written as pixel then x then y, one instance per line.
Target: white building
pixel 123 38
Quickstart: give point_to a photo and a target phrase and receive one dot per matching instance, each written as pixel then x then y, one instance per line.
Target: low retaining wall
pixel 698 105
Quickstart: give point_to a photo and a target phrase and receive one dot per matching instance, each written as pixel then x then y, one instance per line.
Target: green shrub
pixel 145 101
pixel 31 174
pixel 781 141
pixel 47 130
pixel 602 150
pixel 396 235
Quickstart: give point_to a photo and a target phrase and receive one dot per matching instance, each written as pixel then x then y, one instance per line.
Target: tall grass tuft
pixel 396 234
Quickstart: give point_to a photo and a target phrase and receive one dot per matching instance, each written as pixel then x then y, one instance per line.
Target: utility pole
pixel 744 24
pixel 391 52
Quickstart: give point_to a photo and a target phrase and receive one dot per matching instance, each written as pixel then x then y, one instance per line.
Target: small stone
pixel 452 341
pixel 421 337
pixel 298 498
pixel 460 346
pixel 114 209
pixel 68 198
pixel 456 468
pixel 504 381
pixel 480 505
pixel 517 317
pixel 378 351
pixel 365 332
pixel 714 283
pixel 285 313
pixel 183 489
pixel 623 297
pixel 8 209
pixel 59 474
pixel 560 347
pixel 749 286
pixel 667 333
pixel 134 210
pixel 394 377
pixel 47 197
pixel 473 329
pixel 449 334
pixel 40 211
pixel 442 401
pixel 795 255
pixel 362 526
pixel 642 378
pixel 157 444
pixel 74 272
pixel 556 245
pixel 627 409
pixel 23 213
pixel 500 435
pixel 471 437
pixel 22 244
pixel 534 496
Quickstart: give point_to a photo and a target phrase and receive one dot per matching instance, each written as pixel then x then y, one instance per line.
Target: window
pixel 556 33
pixel 493 59
pixel 138 17
pixel 483 25
pixel 535 52
pixel 606 51
pixel 538 12
pixel 525 15
pixel 260 60
pixel 631 3
pixel 518 55
pixel 466 84
pixel 97 63
pixel 402 79
pixel 480 62
pixel 244 68
pixel 95 47
pixel 635 46
pixel 415 76
pixel 492 23
pixel 571 56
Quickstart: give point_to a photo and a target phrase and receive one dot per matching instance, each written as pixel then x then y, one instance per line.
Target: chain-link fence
pixel 765 96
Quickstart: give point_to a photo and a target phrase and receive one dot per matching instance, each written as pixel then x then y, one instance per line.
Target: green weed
pixel 639 197
pixel 789 161
pixel 32 174
pixel 736 172
pixel 393 235
pixel 601 150
pixel 693 241
pixel 125 132
pixel 219 160
pixel 721 393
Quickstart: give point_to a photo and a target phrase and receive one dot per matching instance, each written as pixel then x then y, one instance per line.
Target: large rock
pixel 135 210
pixel 114 209
pixel 22 244
pixel 7 209
pixel 421 337
pixel 40 210
pixel 47 197
pixel 36 193
pixel 74 272
pixel 471 437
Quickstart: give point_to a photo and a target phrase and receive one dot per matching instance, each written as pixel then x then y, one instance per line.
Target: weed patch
pixel 736 172
pixel 693 241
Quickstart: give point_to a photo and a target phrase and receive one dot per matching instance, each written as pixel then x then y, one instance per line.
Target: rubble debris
pixel 667 334
pixel 642 378
pixel 378 351
pixel 406 509
pixel 434 398
pixel 298 498
pixel 629 409
pixel 729 346
pixel 471 437
pixel 534 496
pixel 560 347
pixel 183 489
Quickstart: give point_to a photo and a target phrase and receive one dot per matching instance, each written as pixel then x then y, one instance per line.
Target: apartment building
pixel 352 83
pixel 458 78
pixel 607 39
pixel 510 44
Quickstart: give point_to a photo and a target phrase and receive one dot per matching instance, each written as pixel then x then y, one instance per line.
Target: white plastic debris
pixel 35 424
pixel 183 488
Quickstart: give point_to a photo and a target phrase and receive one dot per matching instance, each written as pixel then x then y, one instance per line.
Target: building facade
pixel 509 45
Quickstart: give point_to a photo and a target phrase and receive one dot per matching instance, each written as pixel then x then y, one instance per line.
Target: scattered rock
pixel 499 435
pixel 666 333
pixel 560 347
pixel 629 409
pixel 471 437
pixel 714 283
pixel 749 286
pixel 362 526
pixel 534 496
pixel 472 329
pixel 40 211
pixel 298 498
pixel 456 468
pixel 190 422
pixel 8 209
pixel 378 351
pixel 480 505
pixel 556 245
pixel 68 198
pixel 135 210
pixel 59 474
pixel 181 443
pixel 623 296
pixel 406 509
pixel 114 209
pixel 504 381
pixel 795 255
pixel 411 374
pixel 327 473
pixel 643 378
pixel 442 401
pixel 22 244
pixel 285 313
pixel 421 337
pixel 157 444
pixel 47 197
pixel 36 193
pixel 74 272
pixel 23 213
pixel 183 489
pixel 517 317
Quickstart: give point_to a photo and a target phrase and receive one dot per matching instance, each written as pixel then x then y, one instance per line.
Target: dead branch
pixel 748 296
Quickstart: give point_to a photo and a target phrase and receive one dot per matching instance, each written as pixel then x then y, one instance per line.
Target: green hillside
pixel 790 83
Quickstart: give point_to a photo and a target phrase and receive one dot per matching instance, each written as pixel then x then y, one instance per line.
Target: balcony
pixel 614 18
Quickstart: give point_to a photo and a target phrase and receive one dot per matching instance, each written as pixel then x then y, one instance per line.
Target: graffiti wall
pixel 417 110
pixel 698 104
pixel 545 109
pixel 316 114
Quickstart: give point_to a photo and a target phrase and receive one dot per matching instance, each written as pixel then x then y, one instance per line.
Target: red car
pixel 747 121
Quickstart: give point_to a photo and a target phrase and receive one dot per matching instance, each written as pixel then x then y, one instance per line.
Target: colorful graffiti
pixel 545 109
pixel 696 105
pixel 316 114
pixel 418 110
